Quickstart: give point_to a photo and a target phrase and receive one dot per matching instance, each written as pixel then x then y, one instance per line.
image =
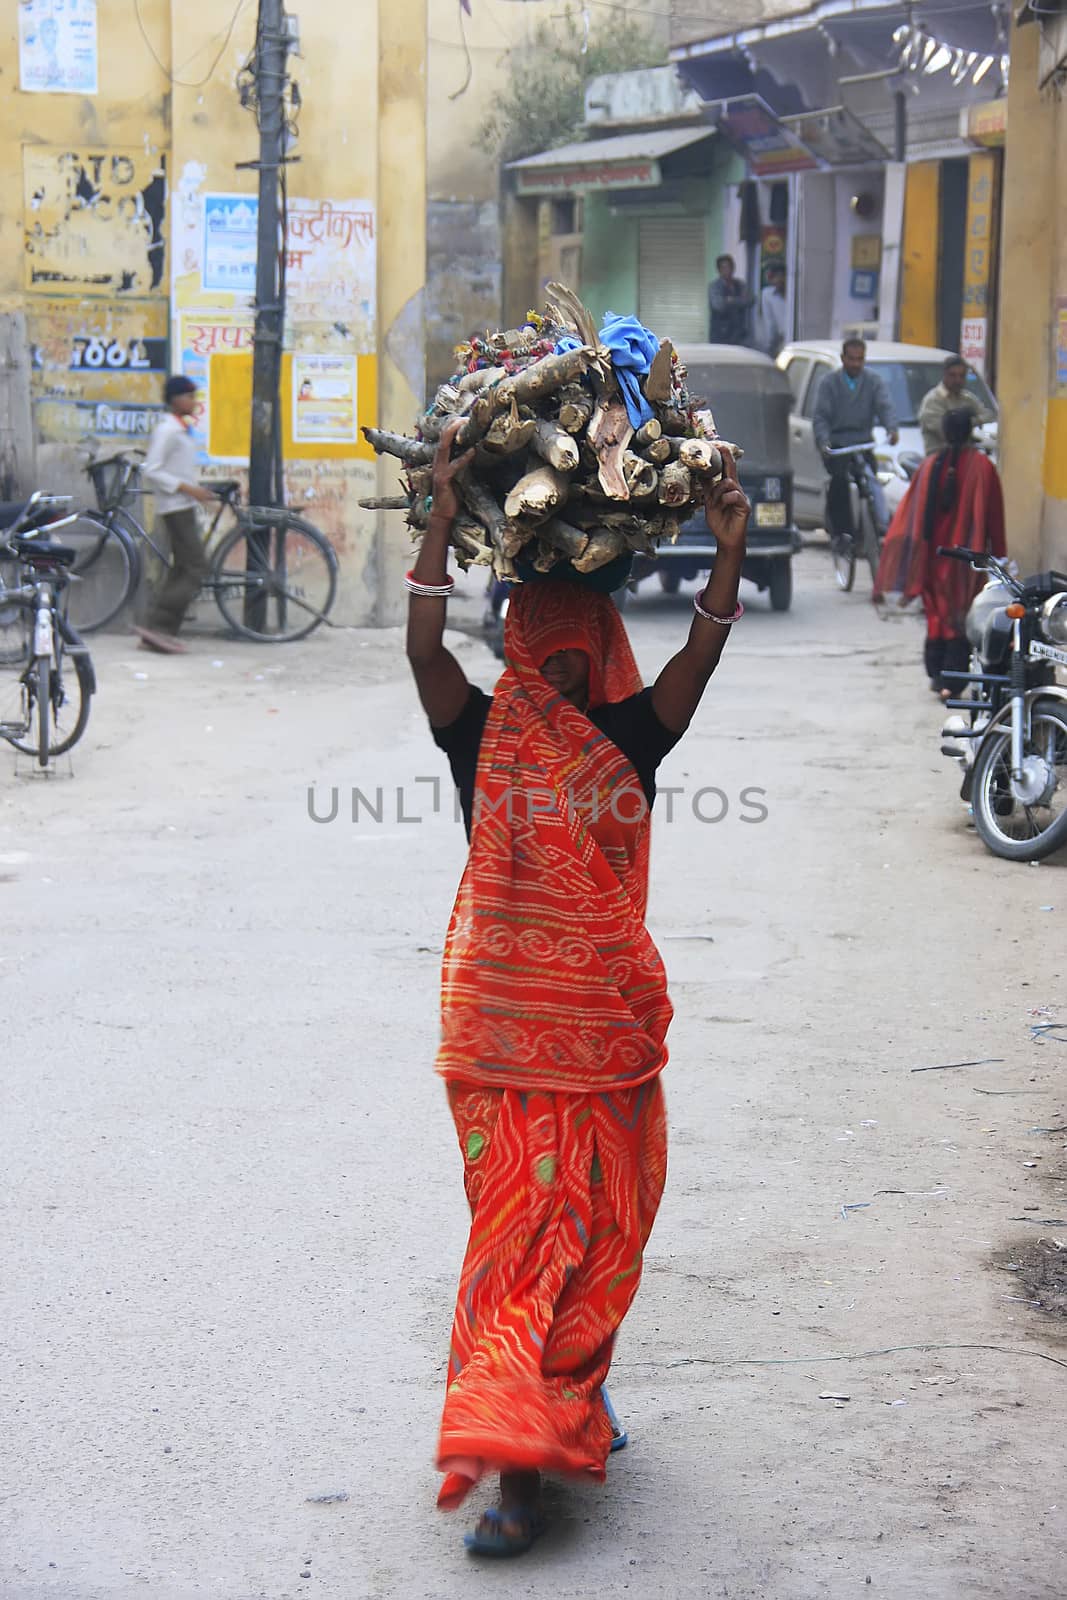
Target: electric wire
pixel 187 83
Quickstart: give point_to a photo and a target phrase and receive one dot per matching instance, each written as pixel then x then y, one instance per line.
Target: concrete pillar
pixel 401 265
pixel 1026 281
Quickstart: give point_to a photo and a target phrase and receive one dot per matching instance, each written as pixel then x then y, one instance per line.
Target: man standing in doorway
pixel 951 394
pixel 170 470
pixel 772 304
pixel 850 402
pixel 728 304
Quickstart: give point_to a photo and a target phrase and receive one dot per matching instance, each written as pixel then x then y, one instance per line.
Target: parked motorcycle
pixel 1010 731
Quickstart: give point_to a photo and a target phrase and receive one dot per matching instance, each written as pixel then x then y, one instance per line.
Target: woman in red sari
pixel 955 501
pixel 554 1004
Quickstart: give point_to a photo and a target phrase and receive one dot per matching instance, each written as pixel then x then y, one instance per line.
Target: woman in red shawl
pixel 954 500
pixel 554 1004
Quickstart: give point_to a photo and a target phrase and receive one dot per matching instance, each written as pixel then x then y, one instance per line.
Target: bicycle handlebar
pixel 851 449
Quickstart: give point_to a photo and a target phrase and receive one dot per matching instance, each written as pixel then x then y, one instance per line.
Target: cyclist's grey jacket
pixel 847 416
pixel 171 460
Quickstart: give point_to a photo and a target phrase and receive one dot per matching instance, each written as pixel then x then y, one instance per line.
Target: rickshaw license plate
pixel 770 514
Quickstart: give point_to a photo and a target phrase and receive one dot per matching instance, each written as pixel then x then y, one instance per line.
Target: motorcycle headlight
pixel 1054 619
pixel 908 464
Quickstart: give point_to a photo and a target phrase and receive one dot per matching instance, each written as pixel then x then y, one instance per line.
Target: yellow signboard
pixel 230 387
pixel 979 256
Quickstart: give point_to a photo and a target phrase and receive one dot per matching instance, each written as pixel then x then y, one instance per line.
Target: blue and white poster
pixel 57 46
pixel 229 262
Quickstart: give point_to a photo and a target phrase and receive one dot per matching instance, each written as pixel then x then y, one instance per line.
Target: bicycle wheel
pixel 843 551
pixel 869 540
pixel 274 583
pixel 66 701
pixel 106 570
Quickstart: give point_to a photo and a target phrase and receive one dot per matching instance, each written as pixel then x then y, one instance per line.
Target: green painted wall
pixel 609 241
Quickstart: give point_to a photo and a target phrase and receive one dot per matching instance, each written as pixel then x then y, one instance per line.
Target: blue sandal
pixel 493 1541
pixel 619 1437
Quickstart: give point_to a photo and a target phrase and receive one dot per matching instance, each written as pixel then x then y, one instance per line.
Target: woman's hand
pixel 726 507
pixel 445 471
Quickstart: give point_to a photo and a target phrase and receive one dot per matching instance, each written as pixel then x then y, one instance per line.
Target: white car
pixel 909 372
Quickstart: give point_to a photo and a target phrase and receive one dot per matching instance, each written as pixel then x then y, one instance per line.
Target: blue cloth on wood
pixel 568 342
pixel 633 348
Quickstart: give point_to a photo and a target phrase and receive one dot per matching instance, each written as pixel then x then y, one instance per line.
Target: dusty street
pixel 233 1216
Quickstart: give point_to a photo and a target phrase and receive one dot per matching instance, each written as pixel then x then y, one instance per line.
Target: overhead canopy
pixel 627 161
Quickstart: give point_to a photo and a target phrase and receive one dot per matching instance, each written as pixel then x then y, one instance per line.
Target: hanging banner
pixel 749 124
pixel 979 256
pixel 57 46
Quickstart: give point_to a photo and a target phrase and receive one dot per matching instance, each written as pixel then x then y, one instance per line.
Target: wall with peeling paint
pixel 113 271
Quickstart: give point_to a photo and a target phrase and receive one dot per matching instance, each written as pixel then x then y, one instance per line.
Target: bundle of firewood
pixel 559 473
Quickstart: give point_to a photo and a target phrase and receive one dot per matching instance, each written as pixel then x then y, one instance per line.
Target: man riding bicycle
pixel 850 402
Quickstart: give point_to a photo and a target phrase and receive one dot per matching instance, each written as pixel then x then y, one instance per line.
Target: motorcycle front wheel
pixel 1014 829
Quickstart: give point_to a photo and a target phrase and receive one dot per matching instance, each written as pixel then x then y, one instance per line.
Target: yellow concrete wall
pixel 83 260
pixel 103 286
pixel 1033 427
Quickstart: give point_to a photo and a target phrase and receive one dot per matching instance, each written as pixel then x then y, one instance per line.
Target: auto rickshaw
pixel 750 399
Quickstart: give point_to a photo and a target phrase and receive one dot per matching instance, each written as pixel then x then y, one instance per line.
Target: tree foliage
pixel 543 101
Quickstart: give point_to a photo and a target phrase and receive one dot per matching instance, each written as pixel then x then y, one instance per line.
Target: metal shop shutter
pixel 672 280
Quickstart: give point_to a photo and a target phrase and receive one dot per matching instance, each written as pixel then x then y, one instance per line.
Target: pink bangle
pixel 709 616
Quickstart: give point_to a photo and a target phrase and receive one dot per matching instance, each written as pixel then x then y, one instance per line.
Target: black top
pixel 632 726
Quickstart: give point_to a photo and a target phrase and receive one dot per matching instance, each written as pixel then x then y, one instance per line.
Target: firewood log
pixel 526 388
pixel 609 433
pixel 571 542
pixel 647 434
pixel 537 494
pixel 387 502
pixel 658 452
pixel 504 567
pixel 508 434
pixel 575 407
pixel 640 475
pixel 470 537
pixel 675 485
pixel 603 547
pixel 516 534
pixel 574 312
pixel 395 444
pixel 546 556
pixel 657 385
pixel 474 381
pixel 700 455
pixel 674 421
pixel 554 445
pixel 482 505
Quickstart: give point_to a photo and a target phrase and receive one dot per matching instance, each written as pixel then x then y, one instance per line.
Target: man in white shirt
pixel 170 470
pixel 773 311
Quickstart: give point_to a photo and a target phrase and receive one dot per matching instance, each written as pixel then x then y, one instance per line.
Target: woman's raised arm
pixel 439 678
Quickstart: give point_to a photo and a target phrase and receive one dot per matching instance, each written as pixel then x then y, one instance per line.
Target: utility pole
pixel 272 49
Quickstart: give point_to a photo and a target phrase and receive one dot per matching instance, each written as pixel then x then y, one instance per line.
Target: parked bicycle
pixel 273 575
pixel 46 676
pixel 865 537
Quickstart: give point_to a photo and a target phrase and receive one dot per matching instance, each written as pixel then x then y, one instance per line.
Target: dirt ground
pixel 233 1216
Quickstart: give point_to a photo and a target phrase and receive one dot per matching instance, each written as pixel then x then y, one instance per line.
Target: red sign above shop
pixel 637 174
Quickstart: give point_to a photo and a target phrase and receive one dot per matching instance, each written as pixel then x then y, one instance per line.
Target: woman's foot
pixel 510 1528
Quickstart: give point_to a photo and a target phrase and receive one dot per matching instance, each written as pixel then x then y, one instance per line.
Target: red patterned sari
pixel 554 1021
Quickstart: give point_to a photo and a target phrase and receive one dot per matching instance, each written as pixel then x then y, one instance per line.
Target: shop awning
pixel 627 161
